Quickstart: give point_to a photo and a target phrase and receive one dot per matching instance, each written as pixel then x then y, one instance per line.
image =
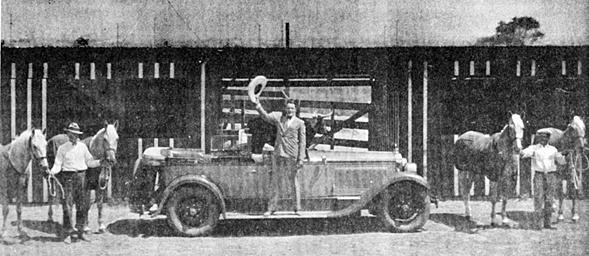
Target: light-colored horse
pixel 571 141
pixel 491 156
pixel 103 145
pixel 14 172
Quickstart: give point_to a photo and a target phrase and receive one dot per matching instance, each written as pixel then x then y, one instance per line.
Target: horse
pixel 103 145
pixel 15 157
pixel 572 142
pixel 491 156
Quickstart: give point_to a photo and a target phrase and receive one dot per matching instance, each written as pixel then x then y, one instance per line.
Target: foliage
pixel 518 32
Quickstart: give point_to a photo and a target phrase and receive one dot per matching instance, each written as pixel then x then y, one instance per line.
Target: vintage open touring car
pixel 196 190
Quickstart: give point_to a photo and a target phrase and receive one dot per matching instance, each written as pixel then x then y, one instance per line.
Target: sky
pixel 260 23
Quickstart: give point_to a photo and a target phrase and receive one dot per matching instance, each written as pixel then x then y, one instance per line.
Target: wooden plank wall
pixel 465 88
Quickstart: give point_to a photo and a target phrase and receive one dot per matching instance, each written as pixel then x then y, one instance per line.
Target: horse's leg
pixel 19 200
pixel 561 197
pixel 100 196
pixel 574 210
pixel 574 195
pixel 88 198
pixel 51 200
pixel 465 183
pixel 5 210
pixel 493 197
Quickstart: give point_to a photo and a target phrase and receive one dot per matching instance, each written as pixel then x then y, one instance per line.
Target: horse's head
pixel 316 124
pixel 516 131
pixel 575 133
pixel 38 147
pixel 109 138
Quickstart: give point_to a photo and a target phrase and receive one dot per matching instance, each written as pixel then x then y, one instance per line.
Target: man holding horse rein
pixel 71 162
pixel 288 155
pixel 544 158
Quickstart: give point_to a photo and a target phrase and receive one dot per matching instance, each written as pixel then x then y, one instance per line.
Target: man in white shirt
pixel 544 158
pixel 71 162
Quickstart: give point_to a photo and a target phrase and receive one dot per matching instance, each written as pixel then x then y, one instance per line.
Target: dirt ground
pixel 446 233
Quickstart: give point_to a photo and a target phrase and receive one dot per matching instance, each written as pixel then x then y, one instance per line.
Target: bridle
pixel 33 153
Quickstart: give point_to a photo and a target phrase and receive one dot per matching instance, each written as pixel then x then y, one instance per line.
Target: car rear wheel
pixel 193 211
pixel 404 206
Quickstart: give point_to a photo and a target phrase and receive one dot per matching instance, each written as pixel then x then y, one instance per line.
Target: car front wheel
pixel 193 211
pixel 404 206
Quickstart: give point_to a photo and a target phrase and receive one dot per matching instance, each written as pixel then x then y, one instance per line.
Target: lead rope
pixel 51 180
pixel 104 178
pixel 579 162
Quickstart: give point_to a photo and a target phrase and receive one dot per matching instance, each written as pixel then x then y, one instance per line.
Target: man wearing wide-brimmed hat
pixel 71 162
pixel 544 158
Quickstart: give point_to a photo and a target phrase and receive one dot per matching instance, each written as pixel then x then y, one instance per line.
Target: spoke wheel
pixel 193 211
pixel 404 206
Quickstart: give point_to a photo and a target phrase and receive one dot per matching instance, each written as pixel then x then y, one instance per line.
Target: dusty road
pixel 445 234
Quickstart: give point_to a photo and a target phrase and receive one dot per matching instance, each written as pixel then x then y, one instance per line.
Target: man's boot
pixel 547 224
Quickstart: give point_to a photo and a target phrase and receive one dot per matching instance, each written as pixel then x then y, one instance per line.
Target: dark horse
pixel 265 133
pixel 572 142
pixel 103 145
pixel 491 156
pixel 14 161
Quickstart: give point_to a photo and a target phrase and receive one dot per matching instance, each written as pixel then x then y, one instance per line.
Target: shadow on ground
pixel 460 223
pixel 255 227
pixel 50 227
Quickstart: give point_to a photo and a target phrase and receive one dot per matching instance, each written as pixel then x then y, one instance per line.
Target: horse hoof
pixel 102 229
pixel 560 218
pixel 576 217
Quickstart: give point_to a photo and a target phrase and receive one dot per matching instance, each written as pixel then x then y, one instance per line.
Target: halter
pixel 32 152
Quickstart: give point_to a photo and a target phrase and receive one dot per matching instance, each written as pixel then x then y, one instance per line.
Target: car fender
pixel 376 189
pixel 191 179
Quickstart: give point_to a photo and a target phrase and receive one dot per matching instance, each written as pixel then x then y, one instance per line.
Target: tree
pixel 518 32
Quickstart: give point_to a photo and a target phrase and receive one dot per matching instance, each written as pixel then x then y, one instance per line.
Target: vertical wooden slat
pixel 533 72
pixel 518 68
pixel 92 71
pixel 171 142
pixel 156 70
pixel 471 65
pixel 532 176
pixel 332 144
pixel 456 68
pixel 487 186
pixel 202 102
pixel 409 115
pixel 108 71
pixel 563 65
pixel 425 109
pixel 77 71
pixel 156 142
pixel 456 180
pixel 29 126
pixel 172 70
pixel 488 68
pixel 30 97
pixel 13 102
pixel 518 180
pixel 579 68
pixel 140 70
pixel 44 116
pixel 139 147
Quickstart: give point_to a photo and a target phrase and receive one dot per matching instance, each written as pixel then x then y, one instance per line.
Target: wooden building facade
pixel 419 96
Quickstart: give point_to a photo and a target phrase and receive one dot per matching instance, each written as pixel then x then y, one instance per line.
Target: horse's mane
pixel 95 145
